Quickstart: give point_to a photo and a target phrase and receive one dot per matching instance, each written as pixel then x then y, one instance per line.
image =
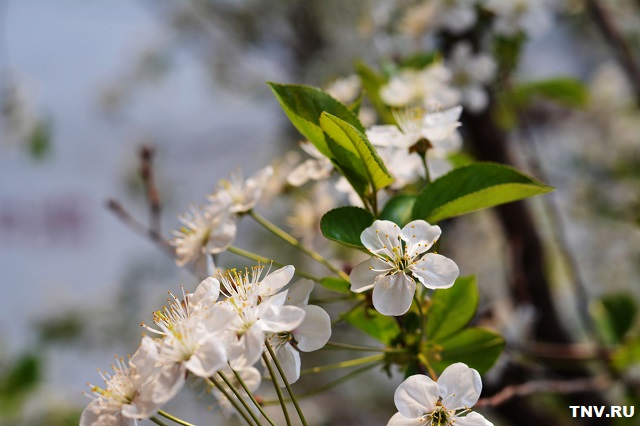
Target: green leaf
pixel 615 315
pixel 477 347
pixel 361 156
pixel 337 285
pixel 18 380
pixel 420 60
pixel 372 81
pixel 39 140
pixel 398 209
pixel 452 308
pixel 564 91
pixel 304 104
pixel 626 356
pixel 474 187
pixel 371 322
pixel 345 224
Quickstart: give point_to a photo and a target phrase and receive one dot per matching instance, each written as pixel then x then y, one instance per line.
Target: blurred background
pixel 85 85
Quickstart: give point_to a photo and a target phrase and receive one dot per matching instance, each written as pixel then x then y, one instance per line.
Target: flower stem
pixel 174 418
pixel 239 396
pixel 156 421
pixel 418 301
pixel 344 364
pixel 283 402
pixel 333 384
pixel 253 399
pixel 286 383
pixel 233 402
pixel 362 348
pixel 275 230
pixel 262 259
pixel 424 361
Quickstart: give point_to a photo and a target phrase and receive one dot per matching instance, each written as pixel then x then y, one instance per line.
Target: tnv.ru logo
pixel 601 411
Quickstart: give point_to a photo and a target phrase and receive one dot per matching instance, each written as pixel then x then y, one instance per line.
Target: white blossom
pixel 193 339
pixel 244 194
pixel 128 392
pixel 456 16
pixel 447 402
pixel 400 259
pixel 258 306
pixel 307 212
pixel 206 230
pixel 470 73
pixel 532 17
pixel 312 334
pixel 430 87
pixel 345 89
pixel 318 167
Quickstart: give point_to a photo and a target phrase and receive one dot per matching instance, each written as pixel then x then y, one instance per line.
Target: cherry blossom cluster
pixel 221 329
pixel 211 228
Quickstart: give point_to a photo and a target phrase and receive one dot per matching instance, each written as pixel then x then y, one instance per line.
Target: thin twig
pixel 553 386
pixel 617 42
pixel 153 196
pixel 122 214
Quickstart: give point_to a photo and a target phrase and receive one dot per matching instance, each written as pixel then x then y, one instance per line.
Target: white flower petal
pixel 364 275
pixel 289 360
pixel 91 413
pixel 435 271
pixel 207 292
pixel 143 361
pixel 393 294
pixel 210 357
pixel 281 318
pixel 168 383
pixel 400 420
pixel 472 419
pixel 298 294
pixel 274 281
pixel 459 386
pixel 315 330
pixel 381 237
pixel 416 396
pixel 420 236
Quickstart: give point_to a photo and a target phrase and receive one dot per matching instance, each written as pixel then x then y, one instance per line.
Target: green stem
pixel 267 261
pixel 233 402
pixel 418 301
pixel 174 418
pixel 344 364
pixel 239 396
pixel 362 348
pixel 274 379
pixel 423 359
pixel 253 399
pixel 275 230
pixel 156 421
pixel 333 384
pixel 426 168
pixel 286 383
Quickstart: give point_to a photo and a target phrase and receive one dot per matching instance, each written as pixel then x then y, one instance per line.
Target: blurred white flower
pixel 128 393
pixel 456 16
pixel 470 73
pixel 244 194
pixel 430 87
pixel 345 89
pixel 398 261
pixel 307 212
pixel 318 167
pixel 421 401
pixel 207 230
pixel 532 17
